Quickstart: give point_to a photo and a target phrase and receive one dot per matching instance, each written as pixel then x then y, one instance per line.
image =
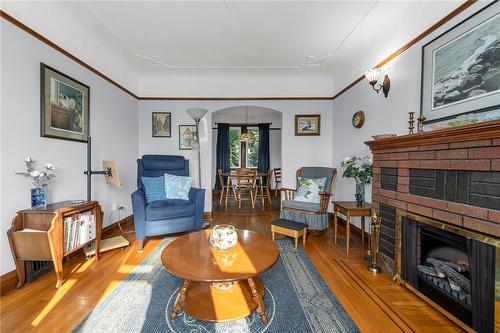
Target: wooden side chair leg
pixel 252 199
pixel 221 195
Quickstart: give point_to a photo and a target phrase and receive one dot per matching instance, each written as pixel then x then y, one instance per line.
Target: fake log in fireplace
pixel 457 270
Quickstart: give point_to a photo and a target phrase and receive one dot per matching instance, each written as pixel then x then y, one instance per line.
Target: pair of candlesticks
pixel 411 123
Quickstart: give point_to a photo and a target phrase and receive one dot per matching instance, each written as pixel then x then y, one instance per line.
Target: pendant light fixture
pixel 245 137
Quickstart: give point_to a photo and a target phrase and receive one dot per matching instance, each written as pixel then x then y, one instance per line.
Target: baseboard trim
pixel 113 229
pixel 8 281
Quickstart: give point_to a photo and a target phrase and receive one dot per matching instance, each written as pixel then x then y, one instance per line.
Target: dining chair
pixel 225 183
pixel 277 180
pixel 245 181
pixel 264 187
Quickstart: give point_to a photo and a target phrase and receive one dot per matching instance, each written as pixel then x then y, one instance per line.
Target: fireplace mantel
pixel 485 130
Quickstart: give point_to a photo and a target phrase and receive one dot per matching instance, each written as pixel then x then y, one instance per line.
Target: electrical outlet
pixel 117 207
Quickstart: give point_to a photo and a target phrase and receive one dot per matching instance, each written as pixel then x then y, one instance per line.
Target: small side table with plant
pixel 361 169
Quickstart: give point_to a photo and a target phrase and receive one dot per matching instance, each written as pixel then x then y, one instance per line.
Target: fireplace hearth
pixel 451 267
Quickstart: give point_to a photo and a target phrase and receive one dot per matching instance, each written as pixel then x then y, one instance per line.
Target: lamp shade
pixel 196 113
pixel 245 137
pixel 372 75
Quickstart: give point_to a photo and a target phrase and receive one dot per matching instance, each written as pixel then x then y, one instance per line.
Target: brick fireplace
pixel 437 185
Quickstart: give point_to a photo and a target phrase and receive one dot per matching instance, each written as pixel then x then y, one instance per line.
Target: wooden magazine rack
pixel 39 235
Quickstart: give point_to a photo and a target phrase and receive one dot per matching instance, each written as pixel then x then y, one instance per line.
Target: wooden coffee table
pixel 208 274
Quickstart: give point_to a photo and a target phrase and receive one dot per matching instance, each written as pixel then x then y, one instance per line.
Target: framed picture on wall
pixel 64 106
pixel 187 136
pixel 307 124
pixel 161 123
pixel 461 68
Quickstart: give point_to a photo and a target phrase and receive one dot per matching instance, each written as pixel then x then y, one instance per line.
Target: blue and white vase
pixel 360 194
pixel 39 198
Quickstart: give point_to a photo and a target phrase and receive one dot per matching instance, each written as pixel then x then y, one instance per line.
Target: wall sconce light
pixel 372 75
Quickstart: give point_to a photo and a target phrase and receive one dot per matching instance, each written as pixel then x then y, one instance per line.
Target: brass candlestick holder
pixel 420 124
pixel 411 122
pixel 375 240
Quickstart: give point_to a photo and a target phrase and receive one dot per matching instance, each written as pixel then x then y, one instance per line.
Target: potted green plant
pixel 361 169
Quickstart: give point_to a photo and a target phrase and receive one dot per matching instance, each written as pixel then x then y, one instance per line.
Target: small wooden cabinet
pixel 39 235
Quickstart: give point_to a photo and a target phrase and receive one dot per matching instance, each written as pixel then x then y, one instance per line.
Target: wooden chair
pixel 245 181
pixel 277 180
pixel 313 214
pixel 225 186
pixel 265 188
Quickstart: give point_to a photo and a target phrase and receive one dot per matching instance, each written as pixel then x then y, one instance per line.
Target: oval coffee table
pixel 220 285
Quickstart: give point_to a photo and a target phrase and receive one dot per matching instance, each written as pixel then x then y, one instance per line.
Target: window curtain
pixel 264 163
pixel 222 152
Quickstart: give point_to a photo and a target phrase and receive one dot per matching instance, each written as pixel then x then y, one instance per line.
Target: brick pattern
pixel 482 155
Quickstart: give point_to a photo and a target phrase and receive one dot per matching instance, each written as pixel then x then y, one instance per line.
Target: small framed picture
pixel 162 124
pixel 64 106
pixel 307 124
pixel 187 136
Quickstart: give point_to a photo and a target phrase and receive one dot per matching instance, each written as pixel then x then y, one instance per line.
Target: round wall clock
pixel 358 119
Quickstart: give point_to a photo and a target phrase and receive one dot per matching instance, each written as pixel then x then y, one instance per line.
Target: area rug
pixel 297 300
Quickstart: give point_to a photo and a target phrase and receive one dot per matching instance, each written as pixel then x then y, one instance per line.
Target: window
pixel 243 154
pixel 235 147
pixel 252 148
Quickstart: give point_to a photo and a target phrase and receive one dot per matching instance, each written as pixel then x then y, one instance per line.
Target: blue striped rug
pixel 297 300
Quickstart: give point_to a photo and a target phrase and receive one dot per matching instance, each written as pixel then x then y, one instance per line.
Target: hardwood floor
pixel 374 303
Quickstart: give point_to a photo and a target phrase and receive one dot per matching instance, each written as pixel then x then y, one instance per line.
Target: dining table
pixel 258 176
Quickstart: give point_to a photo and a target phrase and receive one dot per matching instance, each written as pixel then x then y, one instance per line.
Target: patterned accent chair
pixel 165 216
pixel 314 215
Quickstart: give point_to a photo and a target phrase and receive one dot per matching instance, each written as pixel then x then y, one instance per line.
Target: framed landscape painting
pixel 64 106
pixel 161 124
pixel 187 136
pixel 461 68
pixel 307 124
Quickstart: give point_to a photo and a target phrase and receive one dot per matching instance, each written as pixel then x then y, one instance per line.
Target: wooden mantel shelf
pixel 484 130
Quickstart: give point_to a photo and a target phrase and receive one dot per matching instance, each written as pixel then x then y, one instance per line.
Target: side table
pixel 349 209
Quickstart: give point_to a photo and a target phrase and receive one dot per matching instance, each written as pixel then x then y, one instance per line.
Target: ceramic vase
pixel 39 198
pixel 360 194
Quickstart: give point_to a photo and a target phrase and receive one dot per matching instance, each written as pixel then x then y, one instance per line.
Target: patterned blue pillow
pixel 177 187
pixel 154 188
pixel 308 189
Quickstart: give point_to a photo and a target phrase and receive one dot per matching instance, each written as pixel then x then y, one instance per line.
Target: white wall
pixel 113 126
pixel 297 151
pixel 383 115
pixel 261 83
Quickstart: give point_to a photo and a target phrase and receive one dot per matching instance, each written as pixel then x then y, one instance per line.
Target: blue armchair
pixel 165 216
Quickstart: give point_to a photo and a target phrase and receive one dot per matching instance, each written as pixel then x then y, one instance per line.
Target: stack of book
pixel 78 229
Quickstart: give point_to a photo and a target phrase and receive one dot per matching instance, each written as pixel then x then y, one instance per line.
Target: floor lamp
pixel 197 114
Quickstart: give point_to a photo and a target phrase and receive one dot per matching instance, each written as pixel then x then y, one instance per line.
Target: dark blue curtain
pixel 222 152
pixel 264 163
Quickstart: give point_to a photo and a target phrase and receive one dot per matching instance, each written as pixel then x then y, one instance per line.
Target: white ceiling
pixel 130 40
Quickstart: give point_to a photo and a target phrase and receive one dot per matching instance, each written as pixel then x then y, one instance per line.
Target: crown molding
pixel 415 40
pixel 405 47
pixel 56 47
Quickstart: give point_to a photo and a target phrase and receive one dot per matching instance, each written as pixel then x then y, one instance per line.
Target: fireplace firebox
pixel 457 270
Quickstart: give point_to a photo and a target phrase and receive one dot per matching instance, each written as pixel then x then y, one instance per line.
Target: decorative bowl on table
pixel 383 136
pixel 223 237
